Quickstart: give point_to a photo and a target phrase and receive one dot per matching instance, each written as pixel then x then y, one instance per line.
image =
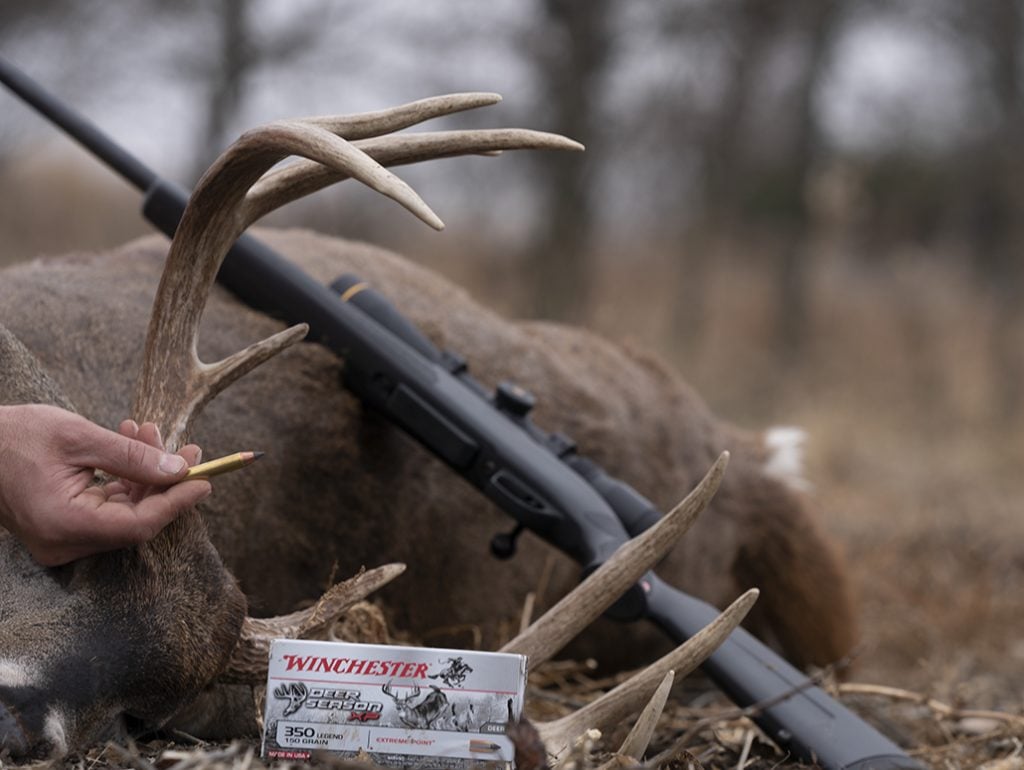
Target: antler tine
pixel 617 704
pixel 366 124
pixel 248 663
pixel 583 604
pixel 303 178
pixel 633 748
pixel 174 385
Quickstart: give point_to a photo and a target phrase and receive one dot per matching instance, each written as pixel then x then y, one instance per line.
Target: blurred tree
pixel 997 185
pixel 817 24
pixel 759 152
pixel 19 17
pixel 22 20
pixel 571 53
pixel 746 29
pixel 225 76
pixel 242 45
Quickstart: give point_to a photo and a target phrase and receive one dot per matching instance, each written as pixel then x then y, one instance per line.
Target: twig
pixel 247 759
pixel 745 754
pixel 199 757
pixel 180 736
pixel 545 578
pixel 527 615
pixel 96 760
pixel 937 706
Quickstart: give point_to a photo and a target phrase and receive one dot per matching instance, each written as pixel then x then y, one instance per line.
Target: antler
pixel 579 608
pixel 248 664
pixel 635 745
pixel 615 705
pixel 237 190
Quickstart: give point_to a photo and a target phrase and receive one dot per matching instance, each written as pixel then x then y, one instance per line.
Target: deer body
pixel 340 489
pixel 340 486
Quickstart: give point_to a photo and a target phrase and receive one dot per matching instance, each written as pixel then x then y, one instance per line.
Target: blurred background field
pixel 814 209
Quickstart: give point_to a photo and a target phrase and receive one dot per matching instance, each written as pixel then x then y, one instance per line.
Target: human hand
pixel 47 499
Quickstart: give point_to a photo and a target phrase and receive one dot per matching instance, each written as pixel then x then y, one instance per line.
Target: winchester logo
pixel 398 669
pixel 454 675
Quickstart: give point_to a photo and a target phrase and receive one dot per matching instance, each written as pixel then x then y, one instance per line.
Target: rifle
pixel 537 478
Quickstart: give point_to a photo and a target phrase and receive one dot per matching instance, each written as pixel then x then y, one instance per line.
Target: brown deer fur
pixel 340 488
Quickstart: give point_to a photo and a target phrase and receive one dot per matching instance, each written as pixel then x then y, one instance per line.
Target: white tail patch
pixel 14 673
pixel 785 461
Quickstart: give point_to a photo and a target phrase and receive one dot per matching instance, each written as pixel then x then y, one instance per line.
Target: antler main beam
pixel 237 190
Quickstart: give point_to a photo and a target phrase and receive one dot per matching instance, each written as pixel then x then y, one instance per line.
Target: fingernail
pixel 199 457
pixel 171 464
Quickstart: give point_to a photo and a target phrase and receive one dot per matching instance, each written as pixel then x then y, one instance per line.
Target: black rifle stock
pixel 586 513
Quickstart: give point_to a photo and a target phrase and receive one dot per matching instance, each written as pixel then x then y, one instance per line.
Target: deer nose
pixel 12 737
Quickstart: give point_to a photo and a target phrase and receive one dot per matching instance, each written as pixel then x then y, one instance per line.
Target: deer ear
pixel 23 380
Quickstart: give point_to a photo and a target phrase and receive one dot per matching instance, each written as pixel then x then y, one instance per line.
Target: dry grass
pixel 55 202
pixel 698 731
pixel 917 476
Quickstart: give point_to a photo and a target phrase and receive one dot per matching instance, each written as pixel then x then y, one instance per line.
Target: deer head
pixel 127 638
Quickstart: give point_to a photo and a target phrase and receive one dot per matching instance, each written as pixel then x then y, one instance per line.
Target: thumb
pixel 130 459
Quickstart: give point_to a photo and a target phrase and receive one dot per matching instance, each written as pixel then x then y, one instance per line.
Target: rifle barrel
pixel 788 706
pixel 77 126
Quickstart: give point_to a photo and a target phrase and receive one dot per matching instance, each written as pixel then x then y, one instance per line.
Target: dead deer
pixel 158 632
